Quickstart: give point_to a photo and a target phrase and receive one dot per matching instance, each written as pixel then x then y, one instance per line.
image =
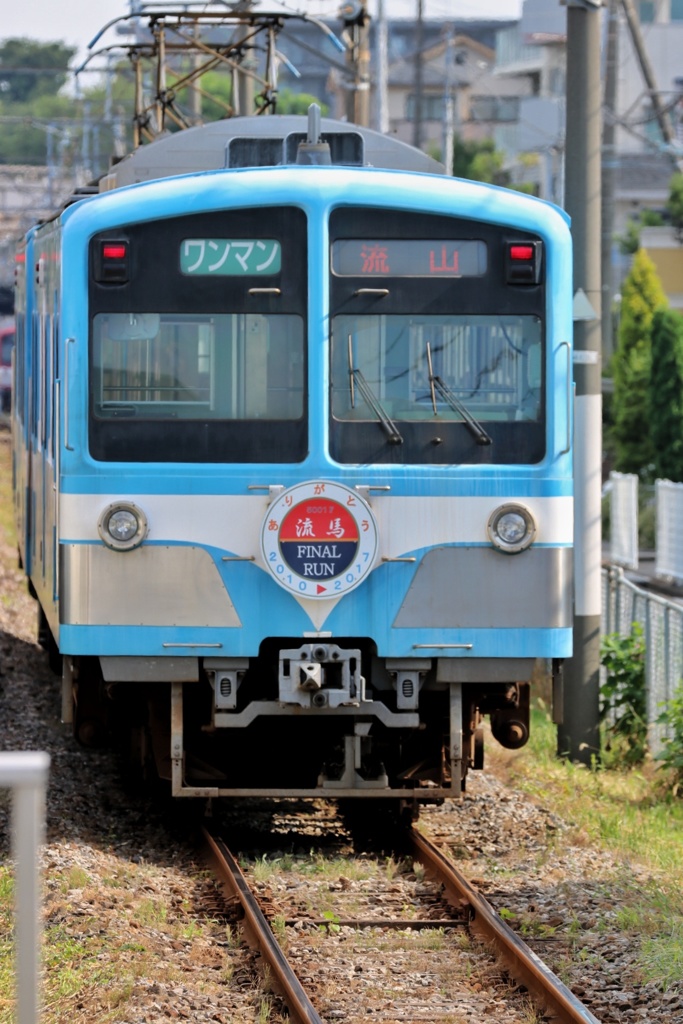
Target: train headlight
pixel 122 526
pixel 511 528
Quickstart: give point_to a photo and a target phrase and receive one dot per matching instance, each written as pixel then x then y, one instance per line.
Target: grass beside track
pixel 629 813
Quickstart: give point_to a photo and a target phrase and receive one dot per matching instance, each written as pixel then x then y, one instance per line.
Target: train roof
pixel 263 141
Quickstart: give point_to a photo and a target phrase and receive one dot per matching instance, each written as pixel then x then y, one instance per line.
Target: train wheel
pixel 47 642
pixel 478 749
pixel 89 717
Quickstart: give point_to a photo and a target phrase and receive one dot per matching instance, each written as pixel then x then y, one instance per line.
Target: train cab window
pixel 454 383
pixel 436 348
pixel 178 376
pixel 198 338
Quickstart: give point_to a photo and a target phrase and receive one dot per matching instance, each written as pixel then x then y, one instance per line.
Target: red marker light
pixel 111 259
pixel 114 251
pixel 521 252
pixel 523 262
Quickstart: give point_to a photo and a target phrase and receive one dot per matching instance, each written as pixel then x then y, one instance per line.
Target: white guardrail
pixel 26 773
pixel 624 520
pixel 669 549
pixel 623 540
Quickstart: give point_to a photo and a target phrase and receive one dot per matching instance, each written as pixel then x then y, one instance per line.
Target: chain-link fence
pixel 623 603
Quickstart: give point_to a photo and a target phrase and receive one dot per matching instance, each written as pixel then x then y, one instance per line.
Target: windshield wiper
pixel 370 398
pixel 436 384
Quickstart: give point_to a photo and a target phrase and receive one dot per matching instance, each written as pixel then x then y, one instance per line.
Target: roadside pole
pixel 578 733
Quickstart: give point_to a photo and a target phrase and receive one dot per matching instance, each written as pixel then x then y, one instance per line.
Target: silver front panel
pixel 484 670
pixel 149 670
pixel 154 585
pixel 481 588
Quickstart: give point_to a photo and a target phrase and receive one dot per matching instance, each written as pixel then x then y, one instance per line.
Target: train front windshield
pixel 238 367
pixel 182 373
pixel 198 339
pixel 476 371
pixel 437 340
pixel 436 345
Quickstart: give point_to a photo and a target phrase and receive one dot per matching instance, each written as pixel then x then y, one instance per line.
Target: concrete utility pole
pixel 609 174
pixel 382 46
pixel 578 733
pixel 419 43
pixel 450 102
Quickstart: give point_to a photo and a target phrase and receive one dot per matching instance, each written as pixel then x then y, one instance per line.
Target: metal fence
pixel 623 603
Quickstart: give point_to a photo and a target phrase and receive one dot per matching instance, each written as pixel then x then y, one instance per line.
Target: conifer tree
pixel 642 294
pixel 666 395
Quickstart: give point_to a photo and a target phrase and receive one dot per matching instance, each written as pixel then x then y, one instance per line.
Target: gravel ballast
pixel 129 938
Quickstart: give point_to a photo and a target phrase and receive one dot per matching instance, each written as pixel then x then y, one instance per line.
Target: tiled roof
pixel 651 171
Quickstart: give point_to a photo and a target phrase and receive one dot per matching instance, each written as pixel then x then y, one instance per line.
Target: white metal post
pixel 25 773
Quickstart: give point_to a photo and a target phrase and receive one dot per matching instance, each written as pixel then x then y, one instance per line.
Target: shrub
pixel 671 756
pixel 623 707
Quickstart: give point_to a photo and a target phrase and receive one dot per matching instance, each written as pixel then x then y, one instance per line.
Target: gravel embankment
pixel 128 928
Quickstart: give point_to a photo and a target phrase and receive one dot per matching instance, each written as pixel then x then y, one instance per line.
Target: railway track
pixel 442 903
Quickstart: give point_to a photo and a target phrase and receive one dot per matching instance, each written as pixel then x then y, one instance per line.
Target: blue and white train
pixel 292 457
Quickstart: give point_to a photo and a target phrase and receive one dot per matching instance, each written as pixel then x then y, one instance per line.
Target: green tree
pixel 674 204
pixel 629 242
pixel 289 102
pixel 26 127
pixel 666 395
pixel 29 69
pixel 478 161
pixel 642 294
pixel 34 115
pixel 481 161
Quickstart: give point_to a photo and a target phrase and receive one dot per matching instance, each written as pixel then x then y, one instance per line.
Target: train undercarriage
pixel 319 719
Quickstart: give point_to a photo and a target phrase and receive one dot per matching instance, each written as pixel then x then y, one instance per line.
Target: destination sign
pixel 364 257
pixel 230 257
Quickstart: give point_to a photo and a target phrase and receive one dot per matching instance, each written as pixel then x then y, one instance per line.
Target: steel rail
pixel 524 965
pixel 260 933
